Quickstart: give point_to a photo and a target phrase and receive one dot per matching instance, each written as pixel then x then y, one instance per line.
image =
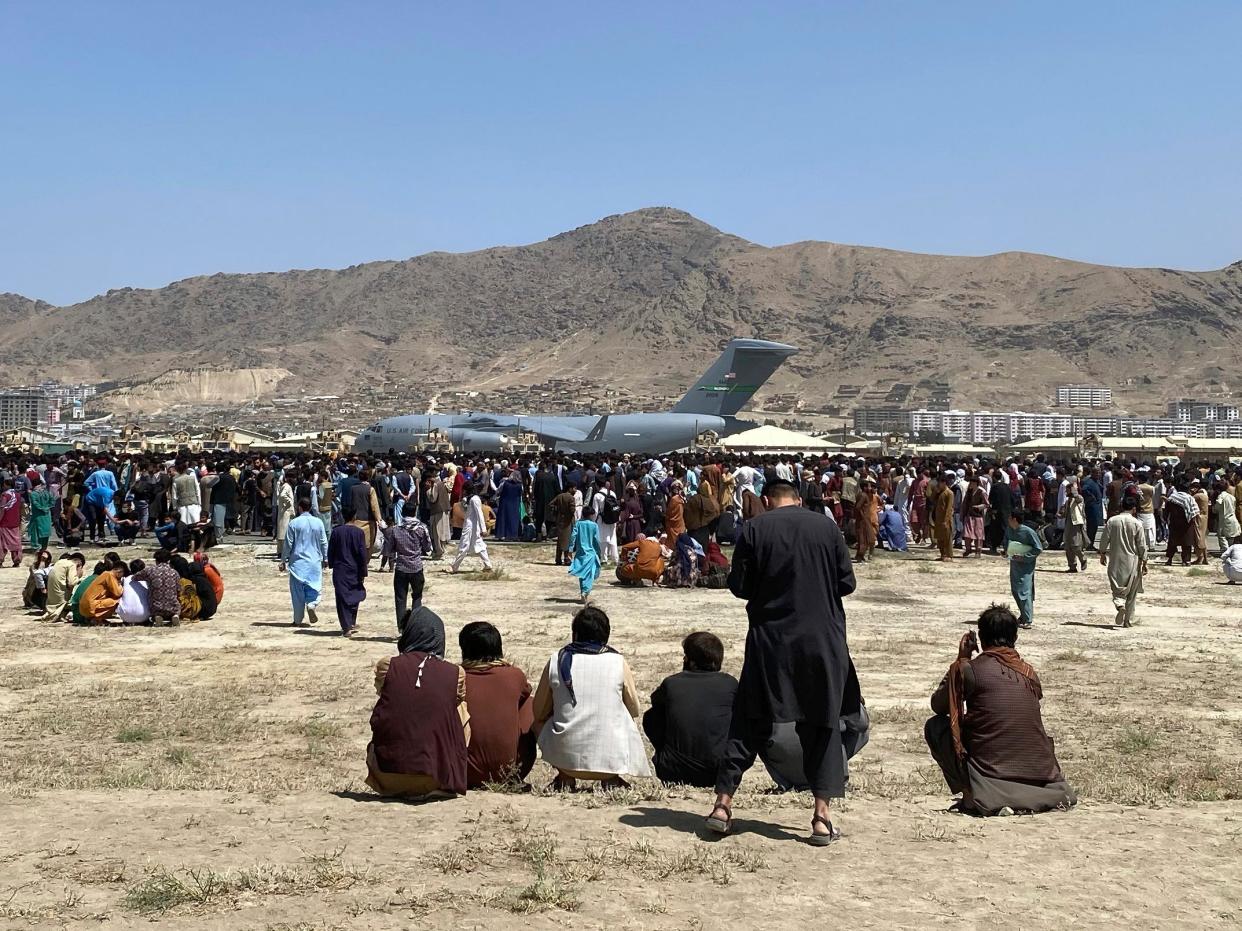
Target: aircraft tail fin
pixel 733 379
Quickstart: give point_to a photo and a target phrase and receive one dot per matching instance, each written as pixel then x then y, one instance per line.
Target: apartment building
pixel 1084 396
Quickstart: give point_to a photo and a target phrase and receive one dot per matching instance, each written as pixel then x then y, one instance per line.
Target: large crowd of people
pixel 441 728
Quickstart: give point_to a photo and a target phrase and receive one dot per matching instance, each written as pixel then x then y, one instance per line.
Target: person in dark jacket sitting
pixel 688 722
pixel 988 734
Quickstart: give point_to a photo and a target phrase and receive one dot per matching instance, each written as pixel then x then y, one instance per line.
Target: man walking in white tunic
pixel 472 530
pixel 1123 549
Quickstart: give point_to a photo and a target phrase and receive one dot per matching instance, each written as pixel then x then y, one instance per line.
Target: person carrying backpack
pixel 607 512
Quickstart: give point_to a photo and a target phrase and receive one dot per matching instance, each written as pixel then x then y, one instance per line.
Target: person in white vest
pixel 585 709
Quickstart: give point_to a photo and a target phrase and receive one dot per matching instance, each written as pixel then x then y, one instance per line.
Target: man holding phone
pixel 987 734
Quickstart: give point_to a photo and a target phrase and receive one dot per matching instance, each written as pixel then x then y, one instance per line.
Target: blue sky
pixel 149 141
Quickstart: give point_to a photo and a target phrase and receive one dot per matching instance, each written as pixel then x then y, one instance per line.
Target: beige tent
pixel 775 440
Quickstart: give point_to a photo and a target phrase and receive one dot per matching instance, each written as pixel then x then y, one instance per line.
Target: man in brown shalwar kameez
pixel 866 518
pixel 942 519
pixel 988 734
pixel 562 511
pixel 1200 495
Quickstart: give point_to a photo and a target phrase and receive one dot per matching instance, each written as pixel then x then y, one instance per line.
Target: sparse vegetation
pixel 163 890
pixel 495 574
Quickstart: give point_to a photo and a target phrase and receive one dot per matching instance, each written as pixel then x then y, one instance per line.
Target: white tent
pixel 775 440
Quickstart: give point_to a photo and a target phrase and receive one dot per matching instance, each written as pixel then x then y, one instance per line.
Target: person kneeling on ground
pixel 213 576
pixel 65 575
pixel 196 595
pixel 502 740
pixel 164 586
pixel 1231 563
pixel 99 601
pixel 988 734
pixel 585 708
pixel 34 595
pixel 135 604
pixel 420 726
pixel 76 606
pixel 894 534
pixel 641 561
pixel 688 721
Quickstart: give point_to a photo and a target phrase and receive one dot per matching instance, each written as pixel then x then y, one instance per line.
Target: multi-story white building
pixel 1223 430
pixel 1005 426
pixel 1084 396
pixel 1187 409
pixel 57 392
pixel 991 426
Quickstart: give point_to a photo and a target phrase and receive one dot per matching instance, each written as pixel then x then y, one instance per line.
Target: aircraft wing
pixel 546 428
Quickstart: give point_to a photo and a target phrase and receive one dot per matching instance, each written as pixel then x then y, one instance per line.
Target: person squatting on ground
pixel 987 734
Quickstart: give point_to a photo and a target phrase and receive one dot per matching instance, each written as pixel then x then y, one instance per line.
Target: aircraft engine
pixel 476 440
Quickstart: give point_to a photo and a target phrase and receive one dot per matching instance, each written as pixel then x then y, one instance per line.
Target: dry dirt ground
pixel 211 776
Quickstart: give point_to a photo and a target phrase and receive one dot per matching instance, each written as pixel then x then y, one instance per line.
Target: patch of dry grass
pixel 163 890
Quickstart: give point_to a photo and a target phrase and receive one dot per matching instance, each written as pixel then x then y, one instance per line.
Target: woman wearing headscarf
pixel 204 594
pixel 422 631
pixel 420 725
pixel 683 569
pixel 585 709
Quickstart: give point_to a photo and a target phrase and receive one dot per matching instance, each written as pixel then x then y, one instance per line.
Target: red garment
pixel 217 583
pixel 1035 493
pixel 918 501
pixel 10 510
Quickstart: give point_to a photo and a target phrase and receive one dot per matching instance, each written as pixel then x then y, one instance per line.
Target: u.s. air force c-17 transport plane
pixel 712 404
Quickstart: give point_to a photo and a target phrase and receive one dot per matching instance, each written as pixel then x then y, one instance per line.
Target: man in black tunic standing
pixel 793 568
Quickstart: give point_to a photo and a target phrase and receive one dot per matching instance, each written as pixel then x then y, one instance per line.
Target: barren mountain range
pixel 644 300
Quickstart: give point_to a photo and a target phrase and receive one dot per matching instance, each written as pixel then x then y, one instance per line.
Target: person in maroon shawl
pixel 347 558
pixel 419 729
pixel 988 734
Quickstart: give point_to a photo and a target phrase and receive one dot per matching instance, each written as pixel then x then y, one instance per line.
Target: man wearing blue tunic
pixel 587 551
pixel 305 556
pixel 1022 546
